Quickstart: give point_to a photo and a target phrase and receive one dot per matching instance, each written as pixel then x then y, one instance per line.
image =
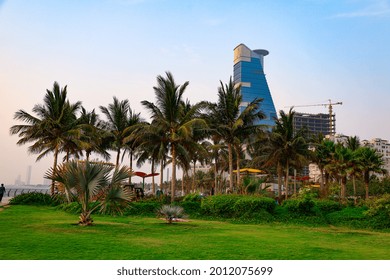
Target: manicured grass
pixel 29 232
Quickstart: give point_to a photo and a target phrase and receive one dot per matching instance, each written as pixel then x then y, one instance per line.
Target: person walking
pixel 2 192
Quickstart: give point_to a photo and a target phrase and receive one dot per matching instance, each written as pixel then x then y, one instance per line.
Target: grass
pixel 43 233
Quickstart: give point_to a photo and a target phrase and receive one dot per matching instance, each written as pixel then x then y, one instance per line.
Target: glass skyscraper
pixel 249 74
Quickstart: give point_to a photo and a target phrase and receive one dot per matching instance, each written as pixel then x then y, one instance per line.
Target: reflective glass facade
pixel 249 73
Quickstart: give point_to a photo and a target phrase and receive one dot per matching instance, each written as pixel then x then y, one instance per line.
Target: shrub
pixel 328 206
pixel 192 197
pixel 220 205
pixel 249 205
pixel 349 216
pixel 303 206
pixel 379 212
pixel 191 207
pixel 33 198
pixel 171 212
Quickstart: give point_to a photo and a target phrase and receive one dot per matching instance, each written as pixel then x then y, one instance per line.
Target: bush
pixel 250 205
pixel 191 207
pixel 379 212
pixel 236 206
pixel 328 206
pixel 349 216
pixel 33 198
pixel 303 206
pixel 220 205
pixel 192 197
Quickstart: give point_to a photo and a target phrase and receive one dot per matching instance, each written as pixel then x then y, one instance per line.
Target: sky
pixel 320 50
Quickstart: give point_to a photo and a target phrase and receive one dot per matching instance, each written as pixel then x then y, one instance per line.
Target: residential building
pixel 249 74
pixel 382 147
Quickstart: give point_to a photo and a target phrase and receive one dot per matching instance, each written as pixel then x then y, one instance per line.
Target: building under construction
pixel 314 123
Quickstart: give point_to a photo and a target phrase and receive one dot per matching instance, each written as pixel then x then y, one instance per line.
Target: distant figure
pixel 2 191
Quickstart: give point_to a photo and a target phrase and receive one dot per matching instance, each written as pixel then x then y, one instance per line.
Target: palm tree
pixel 168 118
pixel 93 182
pixel 53 126
pixel 289 146
pixel 234 123
pixel 93 134
pixel 117 116
pixel 353 144
pixel 132 142
pixel 370 161
pixel 323 150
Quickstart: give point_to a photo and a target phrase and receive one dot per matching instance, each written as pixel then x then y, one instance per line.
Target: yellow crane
pixel 330 107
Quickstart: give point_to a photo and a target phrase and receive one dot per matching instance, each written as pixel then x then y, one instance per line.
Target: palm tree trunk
pixel 322 186
pixel 216 177
pixel 131 166
pixel 280 174
pixel 286 180
pixel 54 169
pixel 230 166
pixel 354 188
pixel 193 176
pixel 366 183
pixel 343 187
pixel 173 183
pixel 117 157
pixel 161 175
pixel 238 166
pixel 153 184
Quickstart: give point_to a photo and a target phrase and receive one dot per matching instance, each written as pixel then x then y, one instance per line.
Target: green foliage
pixel 303 206
pixel 191 207
pixel 229 206
pixel 253 204
pixel 220 205
pixel 192 197
pixel 328 206
pixel 349 216
pixel 33 198
pixel 379 212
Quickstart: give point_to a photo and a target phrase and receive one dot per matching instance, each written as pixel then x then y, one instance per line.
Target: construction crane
pixel 330 107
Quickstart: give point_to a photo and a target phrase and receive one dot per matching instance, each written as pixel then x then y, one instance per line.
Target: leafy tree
pixel 233 122
pixel 168 118
pixel 53 127
pixel 371 162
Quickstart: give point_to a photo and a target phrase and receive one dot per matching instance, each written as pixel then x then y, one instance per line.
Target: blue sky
pixel 319 50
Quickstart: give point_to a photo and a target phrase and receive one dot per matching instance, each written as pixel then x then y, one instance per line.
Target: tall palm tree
pixel 93 182
pixel 132 142
pixel 288 145
pixel 169 119
pixel 116 124
pixel 94 135
pixel 323 150
pixel 371 162
pixel 53 126
pixel 234 123
pixel 353 143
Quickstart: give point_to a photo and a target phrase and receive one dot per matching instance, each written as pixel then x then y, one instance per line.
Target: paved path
pixel 5 201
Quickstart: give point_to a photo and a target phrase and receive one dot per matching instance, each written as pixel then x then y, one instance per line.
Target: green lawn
pixel 42 233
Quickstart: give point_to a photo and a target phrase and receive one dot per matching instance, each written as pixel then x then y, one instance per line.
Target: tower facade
pixel 249 74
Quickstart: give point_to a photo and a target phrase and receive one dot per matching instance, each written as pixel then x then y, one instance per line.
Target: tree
pixel 353 144
pixel 116 124
pixel 290 147
pixel 323 150
pixel 370 161
pixel 92 182
pixel 94 135
pixel 52 128
pixel 233 122
pixel 168 118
